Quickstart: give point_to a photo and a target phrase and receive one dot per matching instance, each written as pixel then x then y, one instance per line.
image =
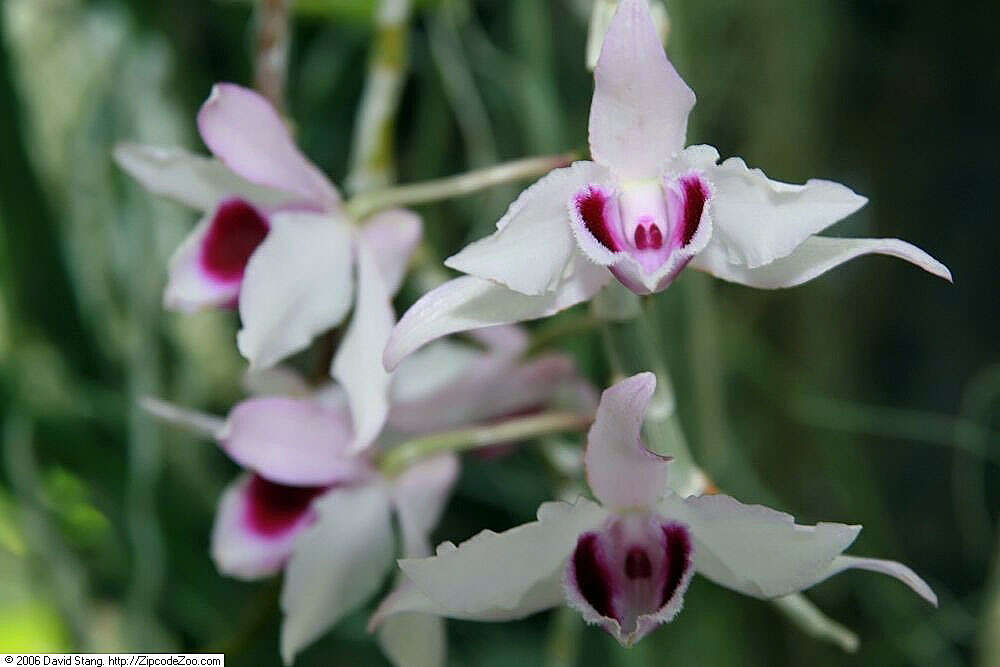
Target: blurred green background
pixel 868 396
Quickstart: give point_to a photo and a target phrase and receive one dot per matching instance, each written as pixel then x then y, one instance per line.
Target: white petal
pixel 244 131
pixel 814 257
pixel 392 236
pixel 621 472
pixel 533 243
pixel 503 576
pixel 297 285
pixel 198 182
pixel 420 495
pixel 413 640
pixel 358 364
pixel 889 567
pixel 471 303
pixel 757 220
pixel 430 370
pixel 638 117
pixel 756 550
pixel 339 562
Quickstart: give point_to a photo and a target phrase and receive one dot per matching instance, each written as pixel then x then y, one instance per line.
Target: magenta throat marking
pixel 235 232
pixel 272 508
pixel 592 205
pixel 695 196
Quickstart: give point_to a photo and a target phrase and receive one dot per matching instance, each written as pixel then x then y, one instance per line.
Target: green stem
pixel 406 454
pixel 455 186
pixel 562 328
pixel 373 163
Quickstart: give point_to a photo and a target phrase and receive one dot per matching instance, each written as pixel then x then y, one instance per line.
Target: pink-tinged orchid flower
pixel 644 209
pixel 626 562
pixel 275 240
pixel 311 506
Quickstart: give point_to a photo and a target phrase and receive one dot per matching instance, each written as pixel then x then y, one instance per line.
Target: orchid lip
pixel 630 576
pixel 272 510
pixel 646 231
pixel 235 232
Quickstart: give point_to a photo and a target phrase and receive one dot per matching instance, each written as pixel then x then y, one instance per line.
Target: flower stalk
pixel 402 456
pixel 372 156
pixel 367 203
pixel 271 53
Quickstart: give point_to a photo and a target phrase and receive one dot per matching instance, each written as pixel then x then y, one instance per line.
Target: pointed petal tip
pixel 894 569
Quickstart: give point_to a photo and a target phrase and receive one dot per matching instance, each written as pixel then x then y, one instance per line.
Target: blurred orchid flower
pixel 626 562
pixel 311 506
pixel 642 211
pixel 275 240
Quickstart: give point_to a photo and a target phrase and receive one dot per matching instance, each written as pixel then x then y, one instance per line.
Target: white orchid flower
pixel 311 506
pixel 625 562
pixel 275 241
pixel 644 209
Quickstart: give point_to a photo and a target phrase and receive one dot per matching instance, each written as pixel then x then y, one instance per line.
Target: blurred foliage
pixel 870 395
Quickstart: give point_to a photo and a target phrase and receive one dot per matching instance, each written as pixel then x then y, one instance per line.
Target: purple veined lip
pixel 236 230
pixel 274 509
pixel 646 232
pixel 631 576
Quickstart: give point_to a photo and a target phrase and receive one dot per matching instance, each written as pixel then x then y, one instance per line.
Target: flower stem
pixel 407 453
pixel 271 52
pixel 455 186
pixel 373 163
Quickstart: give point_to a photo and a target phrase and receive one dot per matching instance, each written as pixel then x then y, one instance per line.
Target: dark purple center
pixel 274 508
pixel 236 231
pixel 592 204
pixel 677 547
pixel 695 196
pixel 647 235
pixel 592 577
pixel 637 565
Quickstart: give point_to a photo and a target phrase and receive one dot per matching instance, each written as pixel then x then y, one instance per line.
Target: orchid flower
pixel 626 561
pixel 309 505
pixel 641 211
pixel 276 241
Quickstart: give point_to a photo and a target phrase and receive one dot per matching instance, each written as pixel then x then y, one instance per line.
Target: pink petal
pixel 489 387
pixel 245 132
pixel 621 472
pixel 256 525
pixel 297 441
pixel 638 117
